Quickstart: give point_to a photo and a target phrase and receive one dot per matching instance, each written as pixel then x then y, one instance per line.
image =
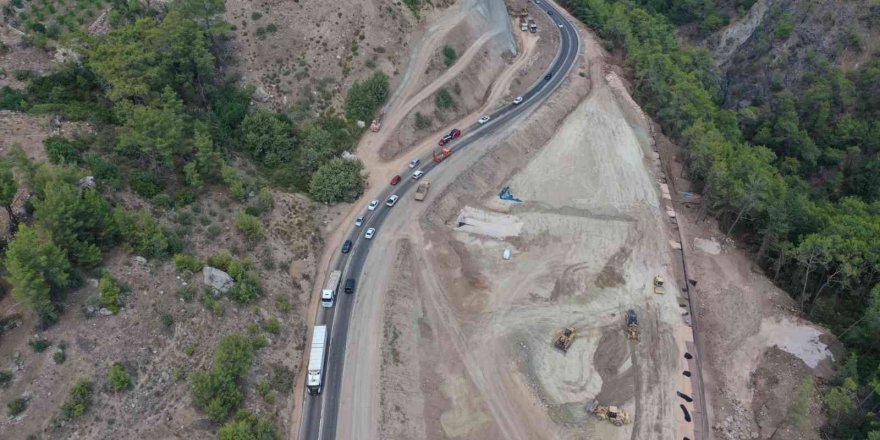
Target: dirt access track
pixel 450 340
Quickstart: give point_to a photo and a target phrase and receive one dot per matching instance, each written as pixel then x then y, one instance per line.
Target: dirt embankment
pixel 490 370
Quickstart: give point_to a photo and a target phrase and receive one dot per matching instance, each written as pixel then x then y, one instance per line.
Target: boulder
pixel 217 279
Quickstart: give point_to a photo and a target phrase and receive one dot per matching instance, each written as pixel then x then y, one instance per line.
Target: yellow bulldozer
pixel 632 325
pixel 658 285
pixel 617 416
pixel 564 339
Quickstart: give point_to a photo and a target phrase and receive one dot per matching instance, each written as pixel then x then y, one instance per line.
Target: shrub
pixel 188 262
pixel 247 426
pixel 79 401
pixel 40 344
pixel 146 184
pixel 163 201
pixel 59 356
pixel 61 151
pixel 282 304
pixel 449 55
pixel 11 99
pixel 216 307
pixel 265 202
pixel 366 96
pixel 246 289
pixel 249 225
pixel 111 294
pixel 17 406
pixel 273 326
pixel 217 391
pixel 337 181
pixel 221 260
pixel 282 378
pixel 118 377
pixel 443 100
pixel 422 122
pixel 5 378
pixel 187 293
pixel 167 320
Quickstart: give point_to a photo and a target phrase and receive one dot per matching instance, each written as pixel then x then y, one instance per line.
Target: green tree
pixel 110 293
pixel 364 97
pixel 118 378
pixel 38 271
pixel 155 134
pixel 247 426
pixel 336 181
pixel 8 185
pixel 217 392
pixel 268 137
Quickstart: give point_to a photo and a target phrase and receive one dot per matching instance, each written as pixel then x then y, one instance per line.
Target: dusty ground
pixel 318 49
pixel 160 357
pixel 475 331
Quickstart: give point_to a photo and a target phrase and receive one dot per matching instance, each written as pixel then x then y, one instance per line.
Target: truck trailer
pixel 328 295
pixel 422 190
pixel 315 379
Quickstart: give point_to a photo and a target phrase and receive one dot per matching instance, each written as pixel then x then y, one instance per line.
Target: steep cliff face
pixel 776 43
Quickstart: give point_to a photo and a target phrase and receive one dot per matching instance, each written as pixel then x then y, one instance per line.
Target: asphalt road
pixel 320 412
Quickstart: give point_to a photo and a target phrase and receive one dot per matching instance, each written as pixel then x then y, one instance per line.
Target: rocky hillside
pixel 776 43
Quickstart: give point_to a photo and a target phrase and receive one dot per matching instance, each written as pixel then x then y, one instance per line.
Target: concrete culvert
pixel 686 373
pixel 688 356
pixel 687 415
pixel 684 396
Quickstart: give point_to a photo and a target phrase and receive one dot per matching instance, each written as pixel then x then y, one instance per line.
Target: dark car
pixel 395 180
pixel 549 12
pixel 548 76
pixel 349 285
pixel 346 247
pixel 454 134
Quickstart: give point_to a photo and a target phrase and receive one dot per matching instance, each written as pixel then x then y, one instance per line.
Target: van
pixel 349 285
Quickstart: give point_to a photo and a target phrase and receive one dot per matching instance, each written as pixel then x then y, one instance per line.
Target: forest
pixel 796 176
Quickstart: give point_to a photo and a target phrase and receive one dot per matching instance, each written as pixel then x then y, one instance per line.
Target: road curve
pixel 320 412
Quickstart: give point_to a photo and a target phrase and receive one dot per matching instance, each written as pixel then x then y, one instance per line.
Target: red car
pixel 454 134
pixel 395 180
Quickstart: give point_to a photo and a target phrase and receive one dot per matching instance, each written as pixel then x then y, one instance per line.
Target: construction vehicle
pixel 377 123
pixel 658 285
pixel 564 339
pixel 444 153
pixel 422 190
pixel 523 19
pixel 632 325
pixel 613 414
pixel 315 380
pixel 533 27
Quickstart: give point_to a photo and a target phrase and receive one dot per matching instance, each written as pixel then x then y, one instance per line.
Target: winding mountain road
pixel 320 413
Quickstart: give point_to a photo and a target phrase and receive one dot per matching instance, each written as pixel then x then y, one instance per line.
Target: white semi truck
pixel 315 380
pixel 328 295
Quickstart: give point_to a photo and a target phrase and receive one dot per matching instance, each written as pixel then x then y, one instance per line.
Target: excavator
pixel 564 339
pixel 632 325
pixel 658 285
pixel 617 416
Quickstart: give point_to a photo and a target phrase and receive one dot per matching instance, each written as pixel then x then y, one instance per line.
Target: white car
pixel 418 174
pixel 484 120
pixel 560 25
pixel 373 205
pixel 370 233
pixel 391 200
pixel 359 221
pixel 414 163
pixel 517 100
